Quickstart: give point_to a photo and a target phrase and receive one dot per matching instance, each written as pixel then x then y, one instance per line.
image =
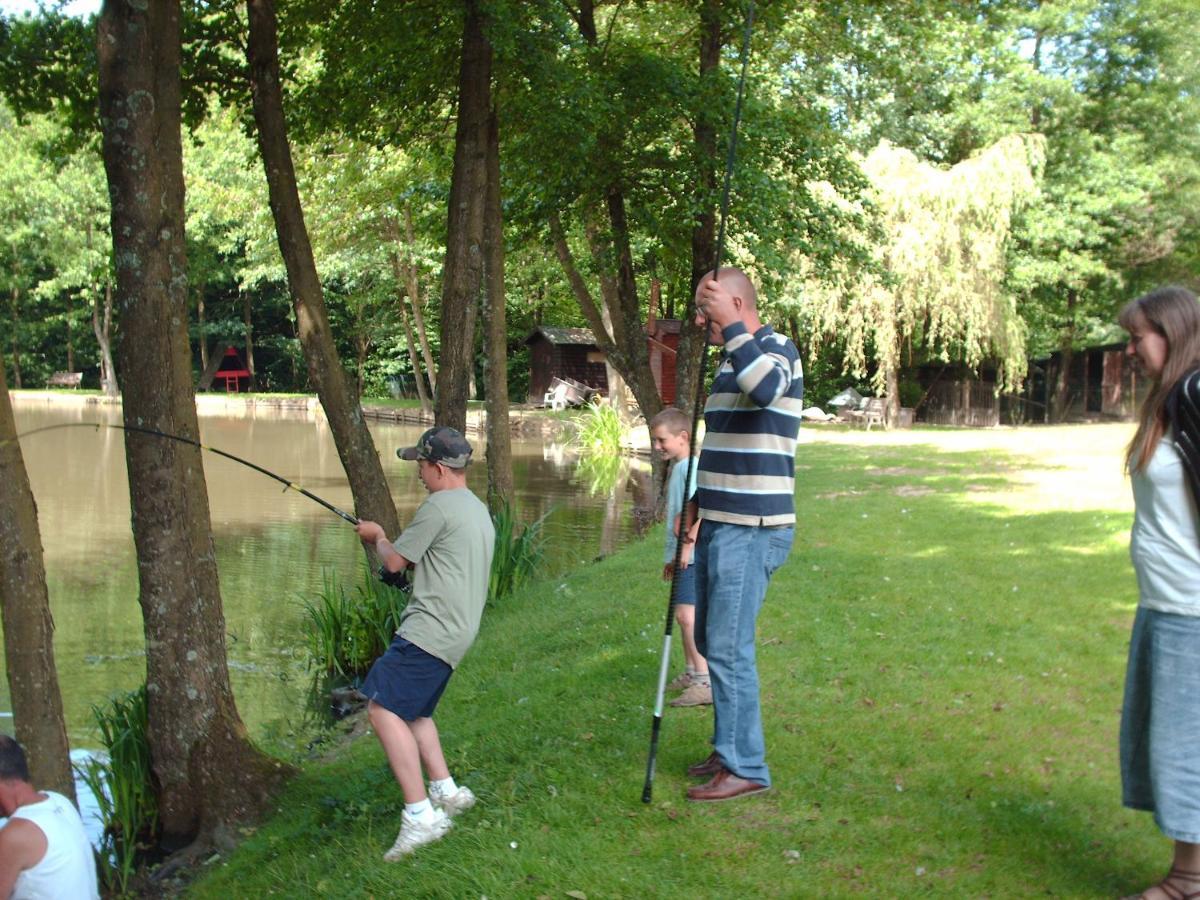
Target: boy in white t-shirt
pixel 670 434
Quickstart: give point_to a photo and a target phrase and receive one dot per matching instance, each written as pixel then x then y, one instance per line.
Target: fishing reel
pixel 398 580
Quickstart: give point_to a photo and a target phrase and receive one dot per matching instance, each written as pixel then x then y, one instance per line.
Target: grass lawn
pixel 942 660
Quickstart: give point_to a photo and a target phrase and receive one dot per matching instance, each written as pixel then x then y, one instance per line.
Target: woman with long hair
pixel 1160 720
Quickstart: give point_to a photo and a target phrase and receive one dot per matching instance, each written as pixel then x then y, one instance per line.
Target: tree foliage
pixel 939 264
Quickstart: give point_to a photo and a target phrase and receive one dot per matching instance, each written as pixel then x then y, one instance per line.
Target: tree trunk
pixel 690 355
pixel 70 342
pixel 248 321
pixel 362 348
pixel 356 449
pixel 462 274
pixel 1061 399
pixel 103 330
pixel 25 616
pixel 414 296
pixel 208 772
pixel 891 415
pixel 499 435
pixel 627 348
pixel 611 332
pixel 200 323
pixel 627 319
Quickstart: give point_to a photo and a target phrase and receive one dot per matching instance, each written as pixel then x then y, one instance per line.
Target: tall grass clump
pixel 599 430
pixel 518 556
pixel 123 783
pixel 347 631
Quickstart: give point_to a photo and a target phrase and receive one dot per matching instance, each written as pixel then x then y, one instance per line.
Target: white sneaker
pixel 460 801
pixel 417 833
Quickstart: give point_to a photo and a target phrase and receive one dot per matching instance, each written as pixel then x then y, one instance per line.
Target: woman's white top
pixel 1165 546
pixel 68 870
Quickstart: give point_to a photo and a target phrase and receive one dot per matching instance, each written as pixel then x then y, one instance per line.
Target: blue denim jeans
pixel 734 564
pixel 1160 722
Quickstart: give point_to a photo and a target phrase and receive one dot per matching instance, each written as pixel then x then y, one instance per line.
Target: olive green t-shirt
pixel 451 540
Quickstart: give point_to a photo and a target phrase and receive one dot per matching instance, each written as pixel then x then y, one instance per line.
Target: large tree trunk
pixel 692 339
pixel 25 618
pixel 207 770
pixel 356 449
pixel 462 275
pixel 499 439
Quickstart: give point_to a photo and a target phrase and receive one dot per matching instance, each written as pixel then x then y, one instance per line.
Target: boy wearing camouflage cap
pixel 449 544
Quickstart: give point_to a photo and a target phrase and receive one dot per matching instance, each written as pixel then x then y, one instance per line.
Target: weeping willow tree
pixel 935 276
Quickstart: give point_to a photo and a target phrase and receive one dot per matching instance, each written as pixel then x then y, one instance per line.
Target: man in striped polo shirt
pixel 747 517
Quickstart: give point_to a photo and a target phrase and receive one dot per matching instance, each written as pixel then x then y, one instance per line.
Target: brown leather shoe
pixel 725 786
pixel 709 767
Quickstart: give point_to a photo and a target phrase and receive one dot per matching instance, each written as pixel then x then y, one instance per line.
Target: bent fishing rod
pixel 701 375
pixel 154 432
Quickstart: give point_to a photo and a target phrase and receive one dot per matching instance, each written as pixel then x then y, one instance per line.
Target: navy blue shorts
pixel 685 586
pixel 407 681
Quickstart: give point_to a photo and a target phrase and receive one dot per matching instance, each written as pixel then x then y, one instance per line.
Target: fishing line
pixel 701 377
pixel 153 432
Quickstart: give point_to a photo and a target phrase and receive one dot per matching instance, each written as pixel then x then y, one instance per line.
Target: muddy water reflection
pixel 272 546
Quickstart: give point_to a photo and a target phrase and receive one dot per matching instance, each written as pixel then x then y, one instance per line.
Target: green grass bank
pixel 942 661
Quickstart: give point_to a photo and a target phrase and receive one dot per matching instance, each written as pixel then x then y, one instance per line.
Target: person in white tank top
pixel 44 850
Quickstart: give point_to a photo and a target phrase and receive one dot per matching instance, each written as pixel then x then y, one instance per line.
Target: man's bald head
pixel 738 283
pixel 732 298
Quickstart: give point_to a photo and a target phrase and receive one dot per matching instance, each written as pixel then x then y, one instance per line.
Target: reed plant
pixel 519 553
pixel 347 631
pixel 123 783
pixel 599 430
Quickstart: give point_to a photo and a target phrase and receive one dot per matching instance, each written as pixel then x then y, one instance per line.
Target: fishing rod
pixel 701 375
pixel 154 432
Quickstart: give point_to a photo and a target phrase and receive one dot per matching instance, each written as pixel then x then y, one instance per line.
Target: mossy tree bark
pixel 360 459
pixel 26 620
pixel 208 772
pixel 463 273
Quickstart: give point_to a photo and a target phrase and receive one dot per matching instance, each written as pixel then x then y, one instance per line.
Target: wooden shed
pixel 1101 383
pixel 558 352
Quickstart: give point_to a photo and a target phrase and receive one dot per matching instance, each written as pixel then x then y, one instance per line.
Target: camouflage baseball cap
pixel 440 444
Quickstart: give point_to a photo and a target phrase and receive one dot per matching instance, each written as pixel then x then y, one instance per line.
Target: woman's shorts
pixel 685 586
pixel 407 681
pixel 1160 722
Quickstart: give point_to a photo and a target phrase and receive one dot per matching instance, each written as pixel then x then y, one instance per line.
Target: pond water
pixel 273 548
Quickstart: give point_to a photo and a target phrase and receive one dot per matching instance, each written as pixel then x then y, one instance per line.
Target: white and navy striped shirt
pixel 752 417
